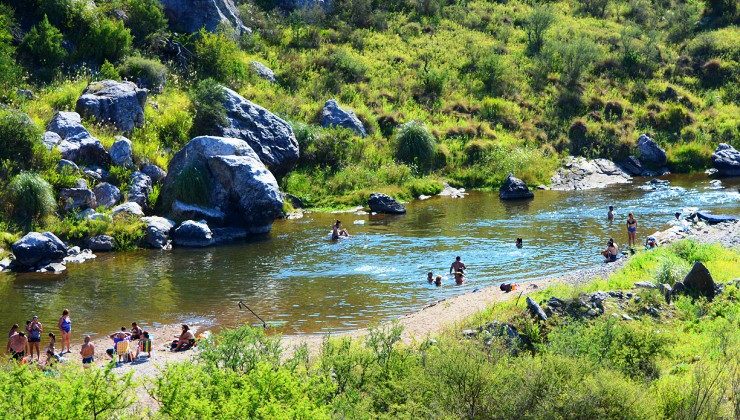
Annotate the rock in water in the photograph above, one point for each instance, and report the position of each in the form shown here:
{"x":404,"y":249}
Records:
{"x":726,"y":159}
{"x":193,"y":234}
{"x":535,"y":309}
{"x":381,"y":203}
{"x":235,"y":183}
{"x":139,"y":189}
{"x":77,"y":198}
{"x":189,"y":16}
{"x":514,"y":189}
{"x":77,"y":145}
{"x":36,"y":250}
{"x":121,"y":152}
{"x":157,"y":231}
{"x":699,"y":281}
{"x":100,"y":243}
{"x":263,"y":71}
{"x":119,"y":103}
{"x":650,"y":152}
{"x":269,"y":136}
{"x":107,"y":195}
{"x":332,"y":115}
{"x":580,"y":174}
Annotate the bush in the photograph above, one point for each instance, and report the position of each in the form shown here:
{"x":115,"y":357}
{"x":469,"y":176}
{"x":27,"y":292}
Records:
{"x":476,"y":151}
{"x":689,"y":157}
{"x":107,"y":39}
{"x":346,"y":66}
{"x":432,"y":84}
{"x":145,"y":72}
{"x":218,"y":57}
{"x":108,"y":72}
{"x":208,"y":108}
{"x":714,"y":73}
{"x":671,"y":271}
{"x":594,"y":140}
{"x":576,"y":58}
{"x":20,"y":139}
{"x":500,"y":111}
{"x":415,"y":145}
{"x":10,"y":72}
{"x":538,"y":22}
{"x":673,"y":118}
{"x":42,"y":49}
{"x":145,"y":17}
{"x":331,"y":148}
{"x":28,"y":199}
{"x":496,"y":73}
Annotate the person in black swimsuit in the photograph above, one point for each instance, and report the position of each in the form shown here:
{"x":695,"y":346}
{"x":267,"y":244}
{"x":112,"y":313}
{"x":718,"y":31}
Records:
{"x":631,"y":230}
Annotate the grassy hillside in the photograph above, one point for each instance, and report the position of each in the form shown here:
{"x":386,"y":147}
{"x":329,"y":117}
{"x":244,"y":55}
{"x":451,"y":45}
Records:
{"x":499,"y":86}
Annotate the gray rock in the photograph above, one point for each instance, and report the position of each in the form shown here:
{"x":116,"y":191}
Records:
{"x":74,"y":250}
{"x":67,"y":125}
{"x":228,"y":235}
{"x":80,"y":183}
{"x":154,"y":172}
{"x":95,"y":172}
{"x":678,"y":288}
{"x":77,"y":198}
{"x":514,"y":189}
{"x":535,"y":309}
{"x":269,"y":136}
{"x":189,"y":16}
{"x":107,"y":195}
{"x":53,"y":268}
{"x":76,"y":145}
{"x":51,"y":140}
{"x":36,"y":250}
{"x":118,"y":103}
{"x":469,"y":333}
{"x":100,"y":243}
{"x":121,"y":152}
{"x":140,"y":186}
{"x":699,"y":282}
{"x":650,"y":152}
{"x":185,"y":211}
{"x":667,"y":291}
{"x":580,"y":174}
{"x":633,"y":166}
{"x":127,"y":209}
{"x":263,"y":71}
{"x":80,"y":257}
{"x":645,"y":285}
{"x":332,"y":115}
{"x":726,"y":159}
{"x":67,"y":165}
{"x":193,"y":234}
{"x":158,"y":231}
{"x":25,"y":93}
{"x":381,"y":203}
{"x":90,"y":214}
{"x":240,"y":186}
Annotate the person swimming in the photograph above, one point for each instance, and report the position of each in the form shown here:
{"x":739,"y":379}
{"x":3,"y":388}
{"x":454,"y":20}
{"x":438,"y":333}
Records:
{"x":519,"y":243}
{"x":337,"y":231}
{"x":430,"y":277}
{"x":438,"y":281}
{"x":459,"y":269}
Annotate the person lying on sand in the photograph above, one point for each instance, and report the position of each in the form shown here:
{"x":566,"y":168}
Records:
{"x":459,"y":268}
{"x":17,"y":345}
{"x":185,"y":341}
{"x":337,"y":231}
{"x":611,"y":251}
{"x":87,"y":352}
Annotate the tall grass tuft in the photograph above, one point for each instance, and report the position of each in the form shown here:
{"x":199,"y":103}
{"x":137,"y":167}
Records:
{"x":29,"y":199}
{"x":415,"y":145}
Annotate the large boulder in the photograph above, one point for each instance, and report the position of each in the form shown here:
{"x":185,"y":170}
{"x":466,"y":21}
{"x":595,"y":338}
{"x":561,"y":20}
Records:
{"x":332,"y":115}
{"x":268,"y":135}
{"x":193,"y":234}
{"x":118,"y":103}
{"x":650,"y":152}
{"x":100,"y":243}
{"x":36,"y":250}
{"x":514,"y":189}
{"x":67,"y":125}
{"x":189,"y":16}
{"x":237,"y":183}
{"x":157,"y":231}
{"x":699,"y":281}
{"x":154,"y":172}
{"x":77,"y":199}
{"x":381,"y":203}
{"x":726,"y":159}
{"x":51,"y":140}
{"x":185,"y":211}
{"x":129,"y":209}
{"x":121,"y":152}
{"x":76,"y":145}
{"x":140,"y":186}
{"x":263,"y":71}
{"x":107,"y":195}
{"x":580,"y":174}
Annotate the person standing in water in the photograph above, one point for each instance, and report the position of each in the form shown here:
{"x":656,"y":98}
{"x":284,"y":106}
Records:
{"x":610,"y":214}
{"x":430,"y":277}
{"x":459,"y":269}
{"x":338,"y":231}
{"x":65,"y":326}
{"x":519,"y":243}
{"x":631,"y":230}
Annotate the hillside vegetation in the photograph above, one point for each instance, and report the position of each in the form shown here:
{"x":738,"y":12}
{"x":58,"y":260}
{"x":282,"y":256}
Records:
{"x":462,"y":92}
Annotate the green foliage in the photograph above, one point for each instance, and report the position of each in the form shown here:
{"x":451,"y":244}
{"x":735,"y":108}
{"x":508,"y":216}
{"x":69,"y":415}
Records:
{"x":415,"y":145}
{"x":332,"y":148}
{"x":500,"y":111}
{"x":595,"y":8}
{"x":576,"y":57}
{"x":592,"y":140}
{"x":108,"y":72}
{"x":127,"y":232}
{"x":145,"y":72}
{"x":107,"y":39}
{"x":145,"y":17}
{"x":42,"y":49}
{"x":10,"y":72}
{"x":218,"y":57}
{"x":209,"y":112}
{"x":689,"y":157}
{"x":538,"y":22}
{"x":29,"y":199}
{"x":20,"y":141}
{"x":496,"y":74}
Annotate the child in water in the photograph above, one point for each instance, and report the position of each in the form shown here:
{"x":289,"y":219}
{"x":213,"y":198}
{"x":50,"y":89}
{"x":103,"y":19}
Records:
{"x":438,"y":281}
{"x":519,"y":243}
{"x":430,"y":277}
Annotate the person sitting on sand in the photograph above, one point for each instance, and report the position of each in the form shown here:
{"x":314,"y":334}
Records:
{"x":651,"y":242}
{"x":430,"y":277}
{"x":459,"y":268}
{"x":87,"y":352}
{"x":611,"y":251}
{"x":122,"y":335}
{"x":51,"y":351}
{"x":145,"y":346}
{"x":519,"y":243}
{"x":337,"y":231}
{"x":185,"y":341}
{"x":438,"y":281}
{"x":17,"y":345}
{"x":136,"y":331}
{"x":13,"y":331}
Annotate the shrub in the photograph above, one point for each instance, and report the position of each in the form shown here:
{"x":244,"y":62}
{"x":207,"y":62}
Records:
{"x":10,"y":72}
{"x":689,"y":157}
{"x":127,"y":232}
{"x":20,"y":139}
{"x":29,"y":199}
{"x":415,"y":145}
{"x":595,"y":8}
{"x":671,"y":271}
{"x":577,"y":57}
{"x":673,"y":118}
{"x":208,"y":108}
{"x":145,"y":17}
{"x":218,"y":57}
{"x":538,"y":22}
{"x":477,"y":150}
{"x":191,"y":186}
{"x":145,"y":72}
{"x":496,"y":73}
{"x":331,"y":148}
{"x":107,"y":39}
{"x":432,"y":84}
{"x":42,"y":49}
{"x":500,"y":111}
{"x":597,"y":140}
{"x":346,"y":66}
{"x":108,"y":72}
{"x":714,"y":73}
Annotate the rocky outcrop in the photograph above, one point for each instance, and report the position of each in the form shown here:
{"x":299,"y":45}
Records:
{"x":154,"y":172}
{"x":121,"y":152}
{"x":140,"y":186}
{"x":127,"y":209}
{"x":238,"y":184}
{"x":580,"y":174}
{"x":118,"y":103}
{"x":193,"y":234}
{"x":100,"y":243}
{"x":67,"y":165}
{"x":699,"y":281}
{"x":332,"y":115}
{"x":535,"y":309}
{"x":51,"y":140}
{"x":726,"y":159}
{"x":650,"y":152}
{"x":77,"y":199}
{"x":263,"y":71}
{"x":189,"y":16}
{"x":269,"y":136}
{"x":158,"y":231}
{"x":514,"y":189}
{"x":67,"y":125}
{"x":381,"y":203}
{"x":77,"y":145}
{"x":185,"y":211}
{"x":107,"y":195}
{"x":36,"y":250}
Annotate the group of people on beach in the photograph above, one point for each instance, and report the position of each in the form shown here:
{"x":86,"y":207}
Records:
{"x":127,"y":344}
{"x":611,"y":253}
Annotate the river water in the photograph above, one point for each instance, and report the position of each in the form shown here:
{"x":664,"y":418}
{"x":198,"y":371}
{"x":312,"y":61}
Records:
{"x":299,"y":281}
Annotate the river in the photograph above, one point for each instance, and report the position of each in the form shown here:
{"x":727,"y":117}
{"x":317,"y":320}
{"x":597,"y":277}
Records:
{"x":299,"y":281}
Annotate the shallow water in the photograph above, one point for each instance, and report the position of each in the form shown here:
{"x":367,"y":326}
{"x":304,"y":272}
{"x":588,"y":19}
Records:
{"x":299,"y":281}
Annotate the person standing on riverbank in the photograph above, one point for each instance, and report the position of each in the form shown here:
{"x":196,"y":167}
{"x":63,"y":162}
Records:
{"x":631,"y":230}
{"x":35,"y":328}
{"x":65,"y":326}
{"x":458,"y":267}
{"x":17,"y":345}
{"x":87,"y":352}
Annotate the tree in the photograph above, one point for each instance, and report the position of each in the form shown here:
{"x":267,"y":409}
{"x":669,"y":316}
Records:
{"x":42,"y":49}
{"x":10,"y":72}
{"x":218,"y":57}
{"x":146,"y":17}
{"x":538,"y":22}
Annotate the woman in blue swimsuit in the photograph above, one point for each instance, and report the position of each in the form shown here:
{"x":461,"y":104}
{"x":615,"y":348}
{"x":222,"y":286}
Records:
{"x":631,"y":230}
{"x":65,"y":326}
